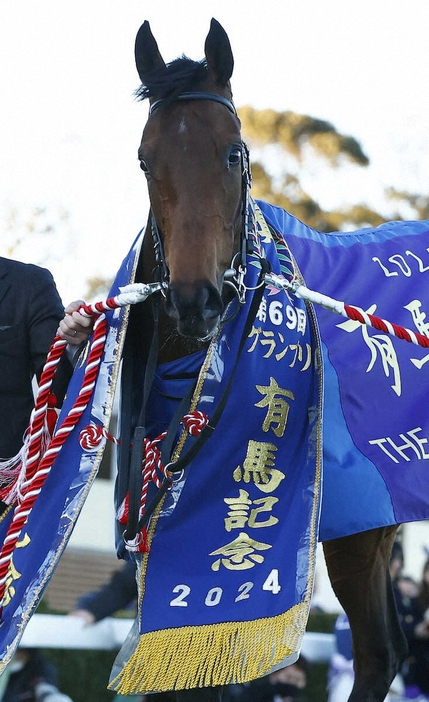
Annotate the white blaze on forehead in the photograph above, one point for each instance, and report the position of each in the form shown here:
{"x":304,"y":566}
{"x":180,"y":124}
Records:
{"x":183,"y":134}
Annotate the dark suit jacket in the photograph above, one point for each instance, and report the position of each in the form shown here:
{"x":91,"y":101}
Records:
{"x":30,"y":309}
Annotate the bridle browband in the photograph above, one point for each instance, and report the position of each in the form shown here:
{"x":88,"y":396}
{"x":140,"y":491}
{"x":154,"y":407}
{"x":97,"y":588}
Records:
{"x":197,"y":95}
{"x":234,"y":276}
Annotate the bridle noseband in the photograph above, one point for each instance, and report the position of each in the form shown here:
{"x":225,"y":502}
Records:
{"x":234,"y":276}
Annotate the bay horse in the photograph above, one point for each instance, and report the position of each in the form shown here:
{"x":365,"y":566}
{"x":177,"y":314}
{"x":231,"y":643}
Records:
{"x":193,"y":157}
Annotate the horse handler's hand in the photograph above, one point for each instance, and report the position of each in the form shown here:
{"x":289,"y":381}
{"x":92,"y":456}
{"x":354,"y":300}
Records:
{"x":74,"y":327}
{"x":85,"y":615}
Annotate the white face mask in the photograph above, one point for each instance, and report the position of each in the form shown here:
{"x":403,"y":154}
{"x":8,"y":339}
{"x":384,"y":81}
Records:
{"x":16,"y":666}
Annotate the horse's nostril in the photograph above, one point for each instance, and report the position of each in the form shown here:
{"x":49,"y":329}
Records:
{"x":213,"y":305}
{"x":196,"y":309}
{"x":170,"y":304}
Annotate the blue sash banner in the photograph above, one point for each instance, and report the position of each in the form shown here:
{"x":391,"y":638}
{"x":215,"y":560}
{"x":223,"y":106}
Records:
{"x":226,"y":585}
{"x":376,"y":410}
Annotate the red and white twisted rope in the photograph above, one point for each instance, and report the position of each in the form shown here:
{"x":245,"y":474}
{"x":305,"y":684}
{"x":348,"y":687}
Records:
{"x":29,"y":458}
{"x":339,"y":307}
{"x":387,"y":327}
{"x":194,"y":423}
{"x":36,"y":468}
{"x":91,"y":436}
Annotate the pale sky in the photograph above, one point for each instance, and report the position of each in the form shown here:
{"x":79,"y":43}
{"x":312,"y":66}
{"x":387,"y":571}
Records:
{"x":70,"y":127}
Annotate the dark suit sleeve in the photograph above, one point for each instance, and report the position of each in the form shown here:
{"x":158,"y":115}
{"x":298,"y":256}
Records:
{"x":30,"y":310}
{"x":117,"y":594}
{"x":44,"y":312}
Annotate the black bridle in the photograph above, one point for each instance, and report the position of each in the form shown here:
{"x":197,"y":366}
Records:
{"x":234,"y":276}
{"x":197,"y":95}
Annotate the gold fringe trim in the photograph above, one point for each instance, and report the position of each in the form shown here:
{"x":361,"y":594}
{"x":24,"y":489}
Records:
{"x":214,"y":654}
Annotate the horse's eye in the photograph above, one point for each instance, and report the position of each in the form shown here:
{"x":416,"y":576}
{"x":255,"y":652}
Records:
{"x":144,"y":166}
{"x":234,"y":158}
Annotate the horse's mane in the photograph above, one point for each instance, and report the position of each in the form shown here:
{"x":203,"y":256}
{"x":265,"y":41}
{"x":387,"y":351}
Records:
{"x":181,"y":75}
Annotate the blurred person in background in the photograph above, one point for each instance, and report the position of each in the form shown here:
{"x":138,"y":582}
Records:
{"x":29,"y":677}
{"x":285,"y":685}
{"x":341,"y":674}
{"x":119,"y":593}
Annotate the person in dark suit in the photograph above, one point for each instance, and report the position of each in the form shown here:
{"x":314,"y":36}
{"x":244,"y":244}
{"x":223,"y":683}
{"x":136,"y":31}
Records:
{"x":30,"y":312}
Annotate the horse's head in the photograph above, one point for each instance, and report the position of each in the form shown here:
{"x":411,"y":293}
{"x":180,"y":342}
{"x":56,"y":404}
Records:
{"x":192,"y":155}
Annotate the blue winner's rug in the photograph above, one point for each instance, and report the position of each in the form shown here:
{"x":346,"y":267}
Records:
{"x":376,"y":410}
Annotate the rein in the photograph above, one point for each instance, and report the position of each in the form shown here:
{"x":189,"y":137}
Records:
{"x":348,"y":311}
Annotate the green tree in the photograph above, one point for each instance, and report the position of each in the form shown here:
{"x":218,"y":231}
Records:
{"x":43,"y":235}
{"x":293,"y":131}
{"x":419,"y":203}
{"x":97,"y":288}
{"x":34,"y":229}
{"x":296,"y":139}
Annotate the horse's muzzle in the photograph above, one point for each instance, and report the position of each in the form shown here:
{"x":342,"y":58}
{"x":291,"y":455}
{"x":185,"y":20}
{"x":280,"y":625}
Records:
{"x":196,"y":309}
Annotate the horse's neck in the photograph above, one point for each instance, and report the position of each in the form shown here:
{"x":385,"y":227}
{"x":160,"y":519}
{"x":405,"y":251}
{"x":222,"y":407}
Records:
{"x":171,"y":345}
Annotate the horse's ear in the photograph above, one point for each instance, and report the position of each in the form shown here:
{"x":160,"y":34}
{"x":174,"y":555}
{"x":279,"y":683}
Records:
{"x":146,"y":51}
{"x":218,"y":53}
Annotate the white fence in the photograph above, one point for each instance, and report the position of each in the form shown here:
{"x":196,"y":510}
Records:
{"x":56,"y":631}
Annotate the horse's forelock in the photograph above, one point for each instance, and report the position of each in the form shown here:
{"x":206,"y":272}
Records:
{"x":181,"y":75}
